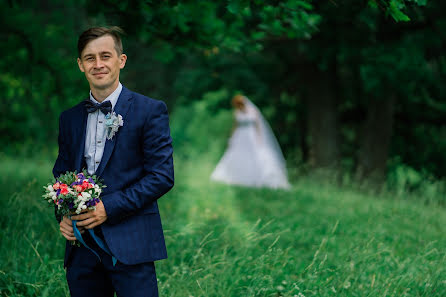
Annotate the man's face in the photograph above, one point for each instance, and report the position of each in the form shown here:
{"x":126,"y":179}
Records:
{"x":101,"y":64}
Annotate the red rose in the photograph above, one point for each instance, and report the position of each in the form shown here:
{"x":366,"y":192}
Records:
{"x":86,"y":185}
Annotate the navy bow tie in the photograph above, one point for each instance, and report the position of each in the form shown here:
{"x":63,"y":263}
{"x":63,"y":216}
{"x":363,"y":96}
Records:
{"x":105,"y":107}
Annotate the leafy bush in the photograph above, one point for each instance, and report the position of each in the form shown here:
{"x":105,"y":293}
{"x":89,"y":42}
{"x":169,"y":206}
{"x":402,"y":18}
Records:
{"x":199,"y":129}
{"x":406,"y":182}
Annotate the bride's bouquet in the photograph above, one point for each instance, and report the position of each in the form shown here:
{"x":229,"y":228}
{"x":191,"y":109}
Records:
{"x":73,"y":192}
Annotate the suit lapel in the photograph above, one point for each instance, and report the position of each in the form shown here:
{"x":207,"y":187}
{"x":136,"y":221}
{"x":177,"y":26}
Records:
{"x":80,"y":135}
{"x":122,"y":107}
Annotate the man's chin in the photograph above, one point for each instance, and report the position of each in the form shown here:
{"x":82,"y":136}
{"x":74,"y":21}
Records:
{"x":101,"y":86}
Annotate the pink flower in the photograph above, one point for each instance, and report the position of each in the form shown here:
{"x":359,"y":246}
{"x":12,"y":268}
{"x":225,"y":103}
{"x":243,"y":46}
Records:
{"x":56,"y":186}
{"x":78,"y":188}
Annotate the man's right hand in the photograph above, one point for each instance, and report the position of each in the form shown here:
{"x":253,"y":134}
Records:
{"x":66,"y":228}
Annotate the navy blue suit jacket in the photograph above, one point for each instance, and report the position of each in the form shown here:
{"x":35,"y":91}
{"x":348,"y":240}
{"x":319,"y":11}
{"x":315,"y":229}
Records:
{"x":136,"y":167}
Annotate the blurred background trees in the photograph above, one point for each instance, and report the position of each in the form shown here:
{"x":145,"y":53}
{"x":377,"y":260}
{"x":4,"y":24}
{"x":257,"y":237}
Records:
{"x":353,"y":86}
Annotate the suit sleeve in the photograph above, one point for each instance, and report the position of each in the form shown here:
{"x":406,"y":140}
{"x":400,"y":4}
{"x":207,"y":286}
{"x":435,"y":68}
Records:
{"x":62,"y":164}
{"x":158,"y":166}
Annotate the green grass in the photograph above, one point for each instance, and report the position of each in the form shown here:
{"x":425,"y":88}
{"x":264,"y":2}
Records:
{"x":315,"y":240}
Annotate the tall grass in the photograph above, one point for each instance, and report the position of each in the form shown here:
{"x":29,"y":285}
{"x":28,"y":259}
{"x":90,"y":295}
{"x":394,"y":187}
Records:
{"x":314,"y":240}
{"x":31,"y":248}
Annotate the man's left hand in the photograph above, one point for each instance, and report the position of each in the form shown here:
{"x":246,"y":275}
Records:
{"x":91,"y":218}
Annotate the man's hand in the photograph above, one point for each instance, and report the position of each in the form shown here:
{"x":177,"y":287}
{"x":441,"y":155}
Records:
{"x":91,"y":218}
{"x":66,"y":228}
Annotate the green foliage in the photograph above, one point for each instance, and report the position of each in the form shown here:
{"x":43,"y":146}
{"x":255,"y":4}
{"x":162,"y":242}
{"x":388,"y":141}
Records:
{"x":39,"y":77}
{"x":199,"y":129}
{"x":406,"y":182}
{"x":395,"y":8}
{"x":235,"y":25}
{"x":180,"y":50}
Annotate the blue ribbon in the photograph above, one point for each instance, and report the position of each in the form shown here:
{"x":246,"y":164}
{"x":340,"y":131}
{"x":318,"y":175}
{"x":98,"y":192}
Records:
{"x":102,"y":245}
{"x":98,"y":240}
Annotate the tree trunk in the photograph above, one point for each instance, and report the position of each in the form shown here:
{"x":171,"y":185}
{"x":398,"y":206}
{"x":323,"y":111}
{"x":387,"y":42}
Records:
{"x":322,"y":117}
{"x":376,"y":138}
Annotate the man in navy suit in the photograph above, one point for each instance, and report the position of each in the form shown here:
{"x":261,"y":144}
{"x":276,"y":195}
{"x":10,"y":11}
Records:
{"x":134,"y":162}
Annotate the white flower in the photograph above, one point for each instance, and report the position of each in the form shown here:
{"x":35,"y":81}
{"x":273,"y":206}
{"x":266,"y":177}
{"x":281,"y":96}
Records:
{"x":97,"y":190}
{"x":112,"y":124}
{"x":86,"y":196}
{"x":79,"y":209}
{"x":50,"y":196}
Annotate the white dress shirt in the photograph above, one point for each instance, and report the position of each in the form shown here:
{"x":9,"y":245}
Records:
{"x":95,"y":138}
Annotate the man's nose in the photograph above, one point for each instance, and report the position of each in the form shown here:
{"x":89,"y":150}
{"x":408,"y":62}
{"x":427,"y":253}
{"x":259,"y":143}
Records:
{"x":98,"y":63}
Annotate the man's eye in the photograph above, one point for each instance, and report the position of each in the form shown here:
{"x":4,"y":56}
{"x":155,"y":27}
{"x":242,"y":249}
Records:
{"x":90,"y":59}
{"x":105,"y":57}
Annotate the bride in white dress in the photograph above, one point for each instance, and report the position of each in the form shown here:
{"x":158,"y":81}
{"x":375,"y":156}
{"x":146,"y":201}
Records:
{"x":253,"y":157}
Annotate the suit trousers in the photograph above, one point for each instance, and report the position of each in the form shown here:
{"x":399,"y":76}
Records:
{"x":89,"y":276}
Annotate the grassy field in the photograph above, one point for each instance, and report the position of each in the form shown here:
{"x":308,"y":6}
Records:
{"x":315,"y":240}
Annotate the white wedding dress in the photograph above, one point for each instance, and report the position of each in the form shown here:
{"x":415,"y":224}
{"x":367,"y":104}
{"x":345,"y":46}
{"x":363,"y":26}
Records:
{"x":253,"y":157}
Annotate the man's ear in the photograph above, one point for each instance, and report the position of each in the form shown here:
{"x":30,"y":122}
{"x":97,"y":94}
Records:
{"x":79,"y":63}
{"x":123,"y":59}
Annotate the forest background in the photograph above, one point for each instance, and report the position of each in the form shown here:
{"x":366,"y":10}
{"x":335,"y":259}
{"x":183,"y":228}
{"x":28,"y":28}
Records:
{"x":356,"y":86}
{"x":354,"y":91}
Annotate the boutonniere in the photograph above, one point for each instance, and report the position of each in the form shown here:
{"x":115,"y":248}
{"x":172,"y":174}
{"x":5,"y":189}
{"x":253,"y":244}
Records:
{"x":112,"y":124}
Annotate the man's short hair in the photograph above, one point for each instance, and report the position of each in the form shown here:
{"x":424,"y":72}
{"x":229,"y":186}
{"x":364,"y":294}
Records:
{"x":97,"y":32}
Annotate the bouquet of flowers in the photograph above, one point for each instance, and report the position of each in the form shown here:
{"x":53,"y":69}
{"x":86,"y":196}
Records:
{"x":73,"y":192}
